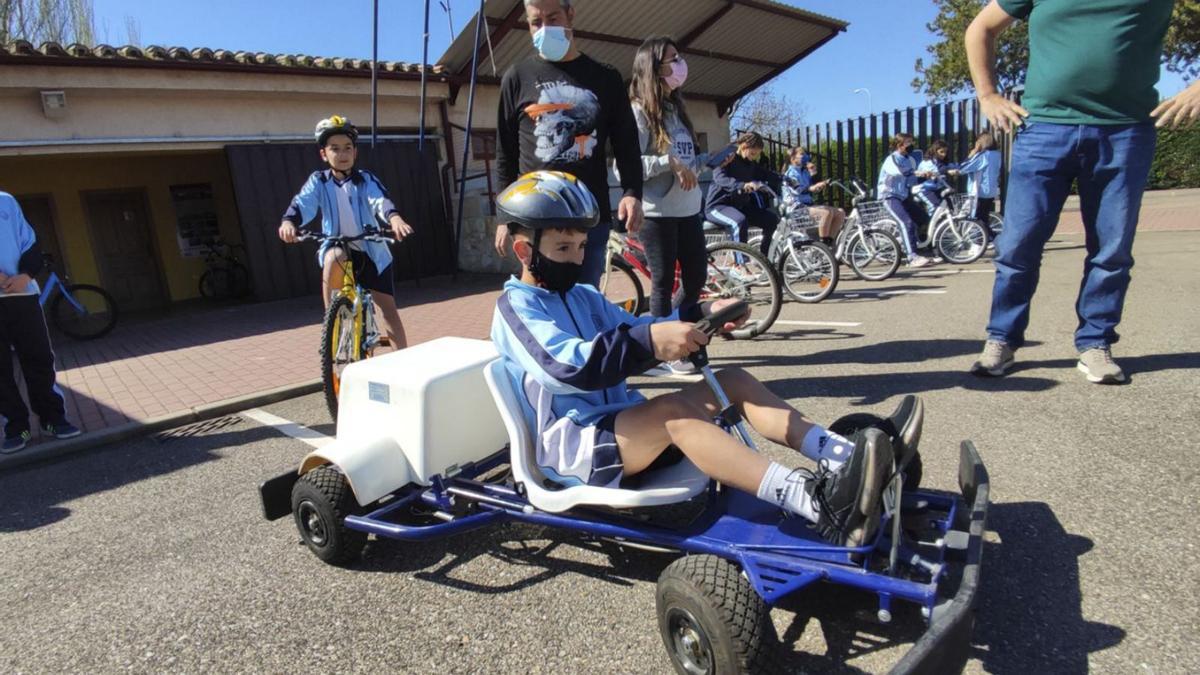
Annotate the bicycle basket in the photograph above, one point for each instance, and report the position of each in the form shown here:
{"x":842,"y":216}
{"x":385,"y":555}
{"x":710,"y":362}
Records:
{"x":873,"y":212}
{"x":962,"y":205}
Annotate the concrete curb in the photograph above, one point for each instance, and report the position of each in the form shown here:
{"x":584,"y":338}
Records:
{"x":46,"y":451}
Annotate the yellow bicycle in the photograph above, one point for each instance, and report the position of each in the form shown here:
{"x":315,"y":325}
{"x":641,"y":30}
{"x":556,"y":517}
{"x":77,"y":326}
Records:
{"x":350,"y":332}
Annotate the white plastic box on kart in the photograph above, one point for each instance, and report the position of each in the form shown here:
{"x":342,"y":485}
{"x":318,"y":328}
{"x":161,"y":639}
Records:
{"x":410,"y":415}
{"x":407,"y":416}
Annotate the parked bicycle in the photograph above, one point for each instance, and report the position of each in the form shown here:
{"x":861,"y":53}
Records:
{"x":953,"y":231}
{"x":733,"y":271}
{"x":81,"y":311}
{"x":807,"y":268}
{"x":226,"y":277}
{"x":350,"y":332}
{"x":866,"y":242}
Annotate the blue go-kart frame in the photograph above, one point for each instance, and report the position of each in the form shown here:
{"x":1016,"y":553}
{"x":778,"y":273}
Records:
{"x":922,"y":536}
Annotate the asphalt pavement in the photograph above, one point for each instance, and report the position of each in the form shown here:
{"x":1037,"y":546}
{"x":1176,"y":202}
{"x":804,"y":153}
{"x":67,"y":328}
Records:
{"x":151,"y":555}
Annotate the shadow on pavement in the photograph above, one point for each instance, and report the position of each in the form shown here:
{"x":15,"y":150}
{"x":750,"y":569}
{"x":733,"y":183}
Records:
{"x":32,"y":496}
{"x":1029,"y":617}
{"x":1132,"y":365}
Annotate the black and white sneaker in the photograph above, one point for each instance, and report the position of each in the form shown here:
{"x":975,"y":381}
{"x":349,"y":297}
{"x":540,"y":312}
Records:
{"x":849,"y":499}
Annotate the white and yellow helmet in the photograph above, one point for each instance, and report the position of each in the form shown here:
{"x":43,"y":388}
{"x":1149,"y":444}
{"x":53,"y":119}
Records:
{"x":334,"y":125}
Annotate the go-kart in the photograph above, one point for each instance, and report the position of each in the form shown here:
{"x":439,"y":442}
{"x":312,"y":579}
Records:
{"x":409,"y":464}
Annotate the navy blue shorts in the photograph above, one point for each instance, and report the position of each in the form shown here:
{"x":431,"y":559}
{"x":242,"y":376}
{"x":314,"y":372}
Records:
{"x":370,"y":278}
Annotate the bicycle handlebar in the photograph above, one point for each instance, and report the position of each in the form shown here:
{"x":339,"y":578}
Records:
{"x":374,"y":235}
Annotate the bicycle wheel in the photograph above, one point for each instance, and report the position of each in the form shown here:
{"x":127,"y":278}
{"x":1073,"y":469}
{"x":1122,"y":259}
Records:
{"x":808,"y":271}
{"x":961,"y":242}
{"x":874,"y":255}
{"x":83,"y":311}
{"x":995,"y":224}
{"x":740,"y":271}
{"x":223,"y":283}
{"x":621,"y":285}
{"x":342,"y":343}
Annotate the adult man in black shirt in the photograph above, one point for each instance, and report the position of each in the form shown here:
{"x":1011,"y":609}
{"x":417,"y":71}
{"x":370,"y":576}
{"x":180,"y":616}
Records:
{"x":558,"y":111}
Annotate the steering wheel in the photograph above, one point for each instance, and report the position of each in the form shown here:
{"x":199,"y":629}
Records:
{"x":711,"y":325}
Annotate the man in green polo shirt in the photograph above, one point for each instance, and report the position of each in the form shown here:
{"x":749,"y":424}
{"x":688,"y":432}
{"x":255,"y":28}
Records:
{"x":1089,"y":107}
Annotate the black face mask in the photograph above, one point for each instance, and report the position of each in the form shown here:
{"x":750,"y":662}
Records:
{"x":908,"y":149}
{"x":559,"y":277}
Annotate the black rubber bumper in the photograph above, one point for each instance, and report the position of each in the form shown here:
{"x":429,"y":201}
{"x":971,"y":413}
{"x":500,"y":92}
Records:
{"x":946,"y":645}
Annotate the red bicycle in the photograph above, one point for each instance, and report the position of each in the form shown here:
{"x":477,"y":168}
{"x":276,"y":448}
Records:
{"x":734,"y":271}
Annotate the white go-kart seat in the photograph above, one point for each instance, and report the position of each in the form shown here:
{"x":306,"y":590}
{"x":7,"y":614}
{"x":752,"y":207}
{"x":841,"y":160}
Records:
{"x":668,"y":485}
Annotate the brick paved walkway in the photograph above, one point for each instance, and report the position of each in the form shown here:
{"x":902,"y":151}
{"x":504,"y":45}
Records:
{"x":151,"y":367}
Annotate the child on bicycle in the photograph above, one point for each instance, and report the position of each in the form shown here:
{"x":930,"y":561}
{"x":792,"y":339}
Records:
{"x":897,"y":176}
{"x":569,"y":351}
{"x":934,"y":168}
{"x":349,"y":200}
{"x":982,"y":170}
{"x":23,"y":330}
{"x":802,"y":172}
{"x":734,"y":200}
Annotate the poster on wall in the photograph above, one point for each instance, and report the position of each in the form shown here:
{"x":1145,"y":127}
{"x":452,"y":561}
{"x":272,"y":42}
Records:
{"x":195,"y":218}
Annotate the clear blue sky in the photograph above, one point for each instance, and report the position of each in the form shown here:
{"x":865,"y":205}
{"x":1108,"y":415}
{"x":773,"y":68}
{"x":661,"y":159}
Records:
{"x":877,"y":52}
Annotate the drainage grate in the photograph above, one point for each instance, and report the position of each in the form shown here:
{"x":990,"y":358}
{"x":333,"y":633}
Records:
{"x":198,"y":429}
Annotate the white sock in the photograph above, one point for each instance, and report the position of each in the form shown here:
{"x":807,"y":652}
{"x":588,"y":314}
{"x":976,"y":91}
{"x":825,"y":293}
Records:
{"x":820,"y":444}
{"x":784,"y":487}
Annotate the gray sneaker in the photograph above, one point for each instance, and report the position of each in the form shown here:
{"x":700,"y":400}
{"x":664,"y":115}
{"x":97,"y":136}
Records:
{"x":1097,"y":363}
{"x":995,"y":360}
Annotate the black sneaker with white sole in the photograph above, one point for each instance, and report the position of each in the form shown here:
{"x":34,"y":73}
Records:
{"x":848,"y":499}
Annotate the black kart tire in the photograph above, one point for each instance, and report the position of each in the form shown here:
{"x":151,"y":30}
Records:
{"x":712,"y":621}
{"x":321,"y":500}
{"x":848,"y":425}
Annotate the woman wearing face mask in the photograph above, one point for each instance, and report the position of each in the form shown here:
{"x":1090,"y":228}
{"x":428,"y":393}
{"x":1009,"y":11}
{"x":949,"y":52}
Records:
{"x":673,"y":229}
{"x":735,"y":199}
{"x":897,"y":177}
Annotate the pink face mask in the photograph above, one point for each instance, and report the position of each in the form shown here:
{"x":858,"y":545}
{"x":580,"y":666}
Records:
{"x":679,"y":73}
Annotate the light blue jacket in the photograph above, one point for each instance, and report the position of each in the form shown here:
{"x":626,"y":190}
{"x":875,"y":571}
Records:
{"x":16,"y":237}
{"x":897,"y":176}
{"x":934,"y":184}
{"x":578,"y":347}
{"x":983,"y":174}
{"x":368,"y":197}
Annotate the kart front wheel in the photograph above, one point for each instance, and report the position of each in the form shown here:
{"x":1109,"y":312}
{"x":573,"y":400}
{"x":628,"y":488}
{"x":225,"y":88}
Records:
{"x":711,"y":619}
{"x":321,"y":500}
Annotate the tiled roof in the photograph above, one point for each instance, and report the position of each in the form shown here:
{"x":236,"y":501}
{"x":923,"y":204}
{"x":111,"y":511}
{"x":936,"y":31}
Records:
{"x":76,"y":53}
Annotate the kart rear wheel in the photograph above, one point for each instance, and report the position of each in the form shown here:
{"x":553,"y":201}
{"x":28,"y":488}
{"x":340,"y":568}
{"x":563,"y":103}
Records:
{"x":711,"y":620}
{"x":321,"y":500}
{"x":850,"y":424}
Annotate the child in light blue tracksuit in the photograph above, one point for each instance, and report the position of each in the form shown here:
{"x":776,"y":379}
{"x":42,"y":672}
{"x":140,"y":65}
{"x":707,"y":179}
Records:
{"x":982,"y":170}
{"x":897,"y":177}
{"x":936,"y":168}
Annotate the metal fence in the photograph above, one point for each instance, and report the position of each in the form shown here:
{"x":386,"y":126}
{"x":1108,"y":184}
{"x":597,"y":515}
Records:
{"x":855,"y":147}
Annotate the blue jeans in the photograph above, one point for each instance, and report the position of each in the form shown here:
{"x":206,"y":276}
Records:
{"x":1111,"y":164}
{"x":593,"y":254}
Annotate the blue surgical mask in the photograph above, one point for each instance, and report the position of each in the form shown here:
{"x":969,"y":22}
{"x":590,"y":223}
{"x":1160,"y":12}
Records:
{"x":552,"y":42}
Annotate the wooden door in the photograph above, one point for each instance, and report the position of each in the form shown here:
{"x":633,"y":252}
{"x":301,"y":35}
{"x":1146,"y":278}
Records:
{"x":124,"y":249}
{"x":40,"y":214}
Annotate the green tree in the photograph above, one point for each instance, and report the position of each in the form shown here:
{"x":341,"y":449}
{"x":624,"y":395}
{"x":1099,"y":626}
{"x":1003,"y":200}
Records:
{"x":948,"y":74}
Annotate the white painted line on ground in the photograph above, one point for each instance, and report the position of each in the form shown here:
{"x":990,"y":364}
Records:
{"x":838,"y":324}
{"x":989,"y":271}
{"x":911,"y":292}
{"x":287,"y":427}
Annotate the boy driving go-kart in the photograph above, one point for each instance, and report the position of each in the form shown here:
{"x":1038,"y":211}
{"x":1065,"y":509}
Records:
{"x":569,"y":352}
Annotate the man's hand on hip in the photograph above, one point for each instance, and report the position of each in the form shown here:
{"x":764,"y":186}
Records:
{"x":1181,"y":109}
{"x":629,"y":211}
{"x":1002,"y":112}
